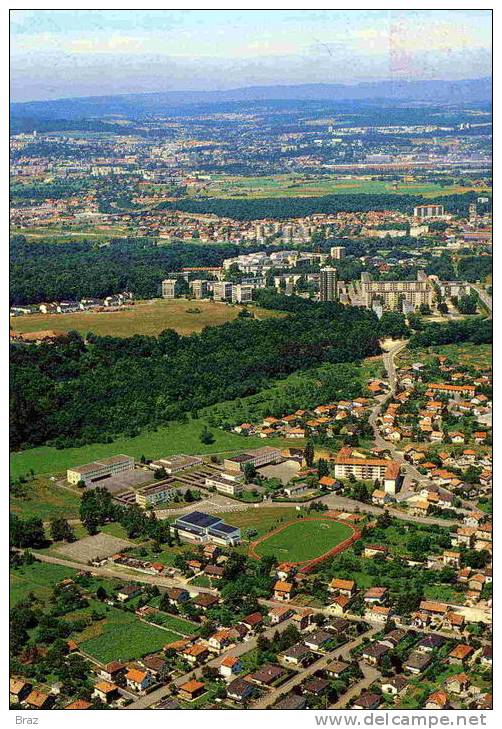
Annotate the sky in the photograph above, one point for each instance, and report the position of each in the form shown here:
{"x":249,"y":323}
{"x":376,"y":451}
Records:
{"x":71,"y":53}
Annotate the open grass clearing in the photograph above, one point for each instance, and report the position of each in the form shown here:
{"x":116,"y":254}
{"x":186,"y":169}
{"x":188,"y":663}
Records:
{"x":143,"y":317}
{"x":39,"y":578}
{"x":42,"y":498}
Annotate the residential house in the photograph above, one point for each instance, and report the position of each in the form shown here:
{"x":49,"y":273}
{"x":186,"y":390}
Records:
{"x":375,"y":595}
{"x":19,"y":689}
{"x":177,"y":595}
{"x":252,"y":621}
{"x":128,"y":592}
{"x":114,"y":672}
{"x":296,"y":655}
{"x":430,"y":643}
{"x":105,"y":691}
{"x":318,"y":640}
{"x":197,"y":653}
{"x":39,"y":700}
{"x":230,"y":667}
{"x":278,"y":614}
{"x":374,"y":652}
{"x":282,"y":590}
{"x":437,"y":700}
{"x":239,"y":689}
{"x":457,"y":684}
{"x":316,"y":686}
{"x":367,"y":701}
{"x":191,"y":690}
{"x":460,"y":654}
{"x":291,"y":702}
{"x":138,"y":681}
{"x":342,"y":587}
{"x":395,"y":686}
{"x":336,"y":669}
{"x":268,"y":675}
{"x":417,"y":662}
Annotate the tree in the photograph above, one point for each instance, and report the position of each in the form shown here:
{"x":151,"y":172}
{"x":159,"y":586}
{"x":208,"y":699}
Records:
{"x":206,"y":436}
{"x":249,"y":472}
{"x":322,"y":468}
{"x":26,"y":532}
{"x":393,"y":324}
{"x":61,"y":530}
{"x":101,"y":593}
{"x":308,"y":453}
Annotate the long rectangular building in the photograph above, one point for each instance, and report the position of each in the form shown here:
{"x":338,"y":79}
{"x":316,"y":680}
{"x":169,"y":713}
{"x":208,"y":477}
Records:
{"x":97,"y":470}
{"x":392,"y":293}
{"x":258,"y":457}
{"x":367,"y":469}
{"x":201,"y":528}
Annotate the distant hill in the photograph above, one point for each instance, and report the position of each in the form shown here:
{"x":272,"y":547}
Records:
{"x":469,"y":91}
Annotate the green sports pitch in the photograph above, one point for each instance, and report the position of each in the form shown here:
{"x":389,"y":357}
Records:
{"x":303,"y":540}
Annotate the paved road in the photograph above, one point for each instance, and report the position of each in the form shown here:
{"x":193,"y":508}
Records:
{"x":370,"y":674}
{"x":117,"y":573}
{"x":343,"y":652}
{"x":343,"y":503}
{"x":144,"y":702}
{"x":485,"y":298}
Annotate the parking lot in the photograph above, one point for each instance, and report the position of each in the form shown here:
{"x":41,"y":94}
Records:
{"x":283,"y":471}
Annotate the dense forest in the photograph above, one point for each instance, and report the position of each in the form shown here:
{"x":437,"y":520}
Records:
{"x":73,"y":392}
{"x":49,"y":271}
{"x":287,"y":207}
{"x":476,"y":330}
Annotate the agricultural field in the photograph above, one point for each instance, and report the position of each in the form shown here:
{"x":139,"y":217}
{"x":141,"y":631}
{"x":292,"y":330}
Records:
{"x":38,"y":578}
{"x":144,"y":317}
{"x":301,"y":185}
{"x":303,"y":540}
{"x":122,"y":637}
{"x":177,"y":625}
{"x":44,"y":499}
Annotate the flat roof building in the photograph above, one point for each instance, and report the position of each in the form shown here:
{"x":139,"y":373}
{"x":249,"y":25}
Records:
{"x":198,"y":526}
{"x":97,"y":470}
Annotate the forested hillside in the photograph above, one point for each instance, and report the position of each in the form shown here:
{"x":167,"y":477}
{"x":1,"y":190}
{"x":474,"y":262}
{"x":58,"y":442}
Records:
{"x":73,"y":393}
{"x":286,"y":207}
{"x":48,"y":271}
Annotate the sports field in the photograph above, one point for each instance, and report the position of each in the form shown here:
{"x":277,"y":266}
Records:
{"x":302,"y":540}
{"x":144,"y":317}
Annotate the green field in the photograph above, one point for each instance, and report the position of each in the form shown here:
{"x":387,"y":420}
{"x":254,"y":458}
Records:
{"x":45,"y":500}
{"x":263,"y":520}
{"x":185,"y":437}
{"x":301,"y":185}
{"x":176,"y":438}
{"x":178,"y":625}
{"x":39,"y":578}
{"x":123,"y":637}
{"x":304,"y":540}
{"x":144,"y":317}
